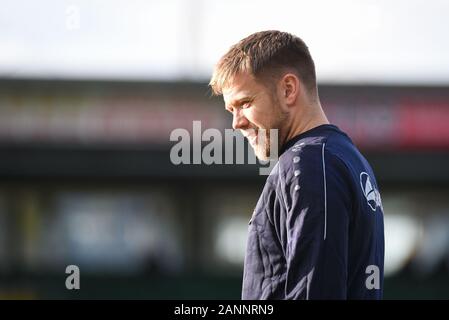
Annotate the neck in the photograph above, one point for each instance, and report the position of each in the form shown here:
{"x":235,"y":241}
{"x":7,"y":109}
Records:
{"x":309,"y":117}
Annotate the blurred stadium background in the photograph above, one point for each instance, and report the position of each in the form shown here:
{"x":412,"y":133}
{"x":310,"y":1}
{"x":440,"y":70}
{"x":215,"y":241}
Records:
{"x":90,"y":91}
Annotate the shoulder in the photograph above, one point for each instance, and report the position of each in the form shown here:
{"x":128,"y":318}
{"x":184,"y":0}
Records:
{"x":308,"y":158}
{"x":305,"y":154}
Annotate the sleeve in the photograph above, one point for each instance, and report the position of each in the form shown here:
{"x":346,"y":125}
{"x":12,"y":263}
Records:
{"x":318,"y":204}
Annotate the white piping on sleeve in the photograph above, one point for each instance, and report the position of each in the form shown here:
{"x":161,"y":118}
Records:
{"x":325,"y":191}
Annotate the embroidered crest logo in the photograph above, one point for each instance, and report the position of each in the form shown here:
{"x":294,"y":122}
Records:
{"x":372,"y":195}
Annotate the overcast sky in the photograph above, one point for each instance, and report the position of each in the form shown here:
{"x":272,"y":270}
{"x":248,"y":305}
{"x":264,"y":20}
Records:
{"x":385,"y":41}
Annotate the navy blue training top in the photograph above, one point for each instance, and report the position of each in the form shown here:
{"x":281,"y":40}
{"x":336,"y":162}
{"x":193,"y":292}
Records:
{"x":317,"y":230}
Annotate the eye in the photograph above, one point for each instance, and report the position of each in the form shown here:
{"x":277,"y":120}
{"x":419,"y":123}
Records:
{"x":246,"y":105}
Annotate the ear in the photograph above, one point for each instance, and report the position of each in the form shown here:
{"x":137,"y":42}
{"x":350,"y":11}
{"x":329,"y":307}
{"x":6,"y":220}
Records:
{"x":289,"y":87}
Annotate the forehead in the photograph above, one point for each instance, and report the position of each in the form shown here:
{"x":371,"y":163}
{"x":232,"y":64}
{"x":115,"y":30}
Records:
{"x":241,"y":86}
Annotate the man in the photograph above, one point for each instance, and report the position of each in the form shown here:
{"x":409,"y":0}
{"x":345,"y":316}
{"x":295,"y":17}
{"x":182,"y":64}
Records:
{"x":317,"y":230}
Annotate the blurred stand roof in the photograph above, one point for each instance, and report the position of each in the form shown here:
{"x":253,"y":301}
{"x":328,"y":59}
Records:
{"x":122,"y":128}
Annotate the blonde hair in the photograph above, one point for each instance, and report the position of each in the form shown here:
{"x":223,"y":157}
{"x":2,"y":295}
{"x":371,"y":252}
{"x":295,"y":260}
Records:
{"x":265,"y":54}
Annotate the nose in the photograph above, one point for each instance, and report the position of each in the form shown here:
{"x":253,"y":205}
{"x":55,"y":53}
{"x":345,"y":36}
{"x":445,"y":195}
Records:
{"x":239,"y":121}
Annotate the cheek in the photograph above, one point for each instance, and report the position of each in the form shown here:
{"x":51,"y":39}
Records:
{"x":257,"y":119}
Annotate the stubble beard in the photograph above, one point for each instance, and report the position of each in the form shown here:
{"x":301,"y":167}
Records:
{"x":264,"y":143}
{"x":262,"y":147}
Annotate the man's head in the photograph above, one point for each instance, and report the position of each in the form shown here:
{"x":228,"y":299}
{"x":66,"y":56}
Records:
{"x":267,"y":81}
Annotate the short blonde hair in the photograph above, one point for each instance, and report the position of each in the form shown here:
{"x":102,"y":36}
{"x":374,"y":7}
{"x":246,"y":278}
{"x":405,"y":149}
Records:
{"x":264,"y":54}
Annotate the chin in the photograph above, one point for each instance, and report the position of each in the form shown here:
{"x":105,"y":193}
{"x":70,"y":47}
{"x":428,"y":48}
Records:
{"x":262,"y":153}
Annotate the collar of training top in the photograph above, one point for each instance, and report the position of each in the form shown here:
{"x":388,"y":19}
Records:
{"x":304,"y":134}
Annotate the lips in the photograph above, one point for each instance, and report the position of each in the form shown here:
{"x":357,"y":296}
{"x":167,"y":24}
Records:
{"x":252,"y":138}
{"x":251,"y":135}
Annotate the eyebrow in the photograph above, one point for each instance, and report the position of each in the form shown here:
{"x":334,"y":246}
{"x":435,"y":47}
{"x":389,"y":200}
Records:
{"x":239,"y":102}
